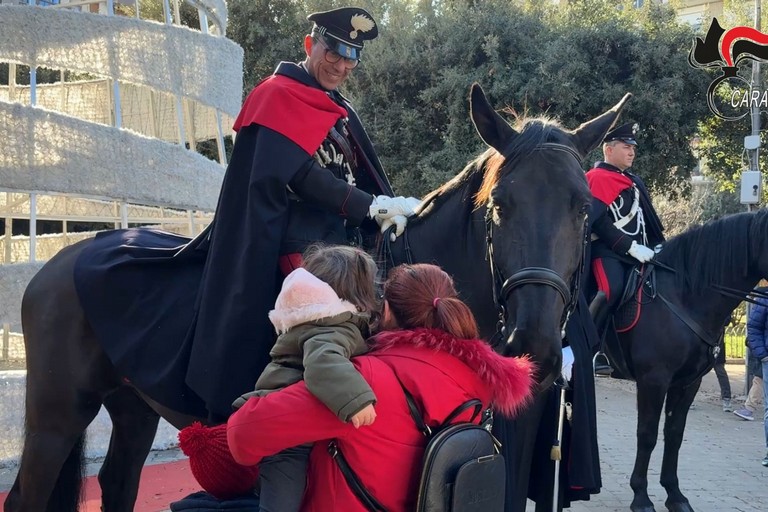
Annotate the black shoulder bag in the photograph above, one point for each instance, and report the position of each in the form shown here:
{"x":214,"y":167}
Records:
{"x":453,"y":455}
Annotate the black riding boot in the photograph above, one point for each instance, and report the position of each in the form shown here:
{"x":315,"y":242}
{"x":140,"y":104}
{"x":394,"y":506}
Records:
{"x":601,"y":316}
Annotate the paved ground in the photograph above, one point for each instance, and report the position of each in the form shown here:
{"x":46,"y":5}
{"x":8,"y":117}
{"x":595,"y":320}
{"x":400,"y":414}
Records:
{"x":720,"y":467}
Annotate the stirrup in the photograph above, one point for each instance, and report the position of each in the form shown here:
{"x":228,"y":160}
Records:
{"x":601,"y":366}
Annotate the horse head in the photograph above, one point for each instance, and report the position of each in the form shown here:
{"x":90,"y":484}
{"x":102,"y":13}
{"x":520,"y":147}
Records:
{"x":536,"y":200}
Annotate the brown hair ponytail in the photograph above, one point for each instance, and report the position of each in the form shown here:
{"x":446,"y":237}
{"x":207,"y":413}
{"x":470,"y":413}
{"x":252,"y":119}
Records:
{"x":423,"y":295}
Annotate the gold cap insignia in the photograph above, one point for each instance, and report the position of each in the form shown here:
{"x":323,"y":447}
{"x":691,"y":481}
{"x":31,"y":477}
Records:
{"x":360,"y":23}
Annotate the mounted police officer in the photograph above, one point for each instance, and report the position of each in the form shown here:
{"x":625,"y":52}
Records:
{"x":302,"y":170}
{"x":188,"y":323}
{"x":625,"y":226}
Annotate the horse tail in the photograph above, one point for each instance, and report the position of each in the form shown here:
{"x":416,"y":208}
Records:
{"x":68,"y":491}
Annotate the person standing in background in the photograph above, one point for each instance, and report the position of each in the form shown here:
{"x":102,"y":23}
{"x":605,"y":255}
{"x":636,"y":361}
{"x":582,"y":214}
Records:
{"x":757,"y":340}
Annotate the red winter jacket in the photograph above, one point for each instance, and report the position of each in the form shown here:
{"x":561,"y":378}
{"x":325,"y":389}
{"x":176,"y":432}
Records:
{"x":440,"y":371}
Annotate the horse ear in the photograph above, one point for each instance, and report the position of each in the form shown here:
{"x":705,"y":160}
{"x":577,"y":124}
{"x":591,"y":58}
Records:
{"x":590,"y":134}
{"x":493,"y":129}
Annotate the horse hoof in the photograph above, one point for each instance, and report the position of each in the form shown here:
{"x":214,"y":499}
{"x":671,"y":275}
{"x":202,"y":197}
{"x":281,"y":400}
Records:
{"x":679,"y":506}
{"x":642,"y":508}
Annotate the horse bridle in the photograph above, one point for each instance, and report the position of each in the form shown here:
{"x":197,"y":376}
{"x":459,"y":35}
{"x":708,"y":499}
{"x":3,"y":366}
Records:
{"x":502,"y":288}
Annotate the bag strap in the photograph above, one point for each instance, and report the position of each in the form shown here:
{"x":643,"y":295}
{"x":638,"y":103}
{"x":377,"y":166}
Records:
{"x":357,"y":487}
{"x":477,"y":404}
{"x":418,"y":416}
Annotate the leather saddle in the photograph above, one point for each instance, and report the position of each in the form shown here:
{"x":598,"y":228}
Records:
{"x":639,"y":289}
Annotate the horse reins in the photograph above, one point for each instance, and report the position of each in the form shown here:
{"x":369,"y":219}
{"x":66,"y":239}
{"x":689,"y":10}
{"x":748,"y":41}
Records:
{"x":750,"y":296}
{"x":747,"y":296}
{"x":386,"y":257}
{"x":533,"y":275}
{"x":530,"y":275}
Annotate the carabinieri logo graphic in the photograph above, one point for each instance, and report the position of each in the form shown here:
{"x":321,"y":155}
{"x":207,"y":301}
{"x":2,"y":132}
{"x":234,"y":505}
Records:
{"x":725,"y":49}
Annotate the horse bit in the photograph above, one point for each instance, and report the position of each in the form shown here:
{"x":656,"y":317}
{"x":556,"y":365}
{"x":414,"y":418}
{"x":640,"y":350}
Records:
{"x":533,"y":275}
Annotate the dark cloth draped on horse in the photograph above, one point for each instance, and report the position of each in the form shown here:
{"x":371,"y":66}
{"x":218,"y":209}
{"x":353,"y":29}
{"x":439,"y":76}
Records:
{"x":151,"y":291}
{"x":189,"y":326}
{"x":580,"y":465}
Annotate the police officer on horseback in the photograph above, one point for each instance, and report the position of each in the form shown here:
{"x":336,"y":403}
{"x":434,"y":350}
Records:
{"x":625,"y":227}
{"x":303,"y":170}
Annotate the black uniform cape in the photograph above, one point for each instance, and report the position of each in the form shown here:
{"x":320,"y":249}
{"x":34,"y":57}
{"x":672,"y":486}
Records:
{"x":186,"y":321}
{"x":580,"y":465}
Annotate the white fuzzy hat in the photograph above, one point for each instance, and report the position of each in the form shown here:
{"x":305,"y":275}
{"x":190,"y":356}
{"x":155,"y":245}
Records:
{"x":304,"y":298}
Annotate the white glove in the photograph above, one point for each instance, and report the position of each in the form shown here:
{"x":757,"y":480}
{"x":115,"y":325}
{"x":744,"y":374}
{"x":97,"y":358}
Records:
{"x":568,"y":360}
{"x":641,"y":253}
{"x":389,"y":211}
{"x":399,"y":221}
{"x":413,"y":202}
{"x":385,"y":207}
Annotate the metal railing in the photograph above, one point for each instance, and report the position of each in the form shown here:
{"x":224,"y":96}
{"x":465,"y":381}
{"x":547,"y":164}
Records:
{"x":735,"y":341}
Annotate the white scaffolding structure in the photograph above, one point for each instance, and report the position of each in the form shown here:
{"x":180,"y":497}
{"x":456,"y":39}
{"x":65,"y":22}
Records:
{"x":113,"y":140}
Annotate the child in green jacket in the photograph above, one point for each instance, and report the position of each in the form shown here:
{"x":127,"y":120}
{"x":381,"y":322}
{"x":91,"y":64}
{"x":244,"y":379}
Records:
{"x":322,"y":317}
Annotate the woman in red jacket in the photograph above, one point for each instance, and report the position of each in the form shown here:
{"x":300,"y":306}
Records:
{"x":430,"y":343}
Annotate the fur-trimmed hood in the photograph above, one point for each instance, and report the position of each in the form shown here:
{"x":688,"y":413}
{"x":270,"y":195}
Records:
{"x":305,"y":298}
{"x":509,"y":379}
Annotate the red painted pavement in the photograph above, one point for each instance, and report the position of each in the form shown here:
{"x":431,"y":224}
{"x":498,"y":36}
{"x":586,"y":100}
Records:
{"x":160,"y":485}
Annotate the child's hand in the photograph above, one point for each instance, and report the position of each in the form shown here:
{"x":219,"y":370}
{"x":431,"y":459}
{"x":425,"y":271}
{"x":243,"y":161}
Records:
{"x":364,"y":417}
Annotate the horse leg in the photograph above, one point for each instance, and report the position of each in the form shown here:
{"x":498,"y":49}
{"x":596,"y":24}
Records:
{"x":49,"y":473}
{"x":678,"y":401}
{"x":66,"y":380}
{"x":51,"y":461}
{"x":134,"y":425}
{"x":650,"y":399}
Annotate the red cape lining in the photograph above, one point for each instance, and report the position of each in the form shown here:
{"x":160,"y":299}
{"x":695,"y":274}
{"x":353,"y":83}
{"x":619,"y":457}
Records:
{"x":607,"y":185}
{"x":301,"y":113}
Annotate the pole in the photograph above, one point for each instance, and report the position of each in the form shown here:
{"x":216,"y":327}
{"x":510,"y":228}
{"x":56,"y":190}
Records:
{"x":556,"y":453}
{"x":754,"y":165}
{"x":755,"y":109}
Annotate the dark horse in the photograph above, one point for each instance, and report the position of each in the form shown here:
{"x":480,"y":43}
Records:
{"x":671,"y":346}
{"x":528,"y":192}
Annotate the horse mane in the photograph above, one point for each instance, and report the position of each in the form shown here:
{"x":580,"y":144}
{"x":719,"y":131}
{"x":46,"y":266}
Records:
{"x":711,"y":253}
{"x":479,"y":177}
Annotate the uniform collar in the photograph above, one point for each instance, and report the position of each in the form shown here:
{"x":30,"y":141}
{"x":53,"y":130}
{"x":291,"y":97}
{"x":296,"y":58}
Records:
{"x":299,"y":73}
{"x":610,"y":167}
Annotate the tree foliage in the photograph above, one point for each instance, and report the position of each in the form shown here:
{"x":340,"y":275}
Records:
{"x":269,"y":31}
{"x":704,"y":202}
{"x":572,"y":62}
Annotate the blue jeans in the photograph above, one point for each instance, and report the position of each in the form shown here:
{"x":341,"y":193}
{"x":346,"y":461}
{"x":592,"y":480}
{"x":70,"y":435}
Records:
{"x":765,"y":400}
